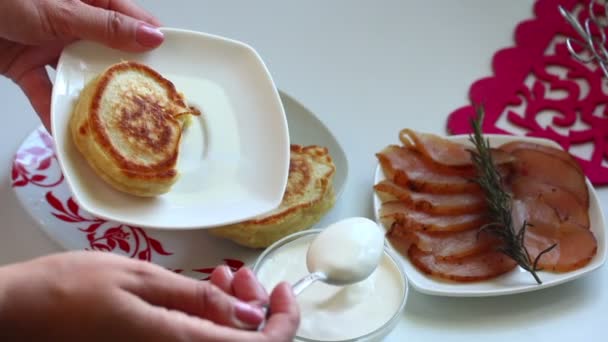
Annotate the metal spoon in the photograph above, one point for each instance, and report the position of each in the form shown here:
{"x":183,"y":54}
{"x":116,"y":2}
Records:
{"x":345,"y":253}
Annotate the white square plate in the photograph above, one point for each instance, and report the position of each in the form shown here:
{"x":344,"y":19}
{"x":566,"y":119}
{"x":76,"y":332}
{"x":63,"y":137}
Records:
{"x":234,"y":158}
{"x":518,"y":280}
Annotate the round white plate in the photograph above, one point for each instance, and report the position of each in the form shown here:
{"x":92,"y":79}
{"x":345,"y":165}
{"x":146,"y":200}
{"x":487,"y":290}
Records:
{"x":41,"y":188}
{"x":518,"y":280}
{"x":235,"y":155}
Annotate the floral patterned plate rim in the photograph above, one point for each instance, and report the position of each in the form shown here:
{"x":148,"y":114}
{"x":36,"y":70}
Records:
{"x":41,"y":189}
{"x":517,"y":280}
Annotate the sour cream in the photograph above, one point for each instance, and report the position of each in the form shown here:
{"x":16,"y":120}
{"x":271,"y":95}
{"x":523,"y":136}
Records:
{"x":328,"y":312}
{"x":347,"y":251}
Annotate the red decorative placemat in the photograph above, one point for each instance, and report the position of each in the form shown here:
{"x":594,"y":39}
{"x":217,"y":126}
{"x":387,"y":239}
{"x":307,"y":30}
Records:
{"x":538,"y":89}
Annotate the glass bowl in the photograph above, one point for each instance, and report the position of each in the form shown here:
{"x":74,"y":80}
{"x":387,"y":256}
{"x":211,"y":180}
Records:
{"x":374,"y":335}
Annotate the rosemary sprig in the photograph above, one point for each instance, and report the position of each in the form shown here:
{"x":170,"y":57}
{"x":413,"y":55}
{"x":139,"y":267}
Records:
{"x":499,"y":203}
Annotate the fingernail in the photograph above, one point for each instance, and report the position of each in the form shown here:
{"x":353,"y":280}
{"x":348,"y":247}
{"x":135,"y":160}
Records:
{"x":227,"y":271}
{"x":148,"y":36}
{"x":259,"y":287}
{"x":248,"y":314}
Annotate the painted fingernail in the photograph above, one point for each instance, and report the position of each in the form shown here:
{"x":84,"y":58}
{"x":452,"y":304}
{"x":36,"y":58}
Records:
{"x":227,"y":271}
{"x":261,"y":291}
{"x":249,"y":315}
{"x":148,"y":36}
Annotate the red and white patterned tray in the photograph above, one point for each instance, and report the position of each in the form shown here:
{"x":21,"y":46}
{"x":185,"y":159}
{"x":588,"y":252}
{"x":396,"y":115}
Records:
{"x":39,"y":185}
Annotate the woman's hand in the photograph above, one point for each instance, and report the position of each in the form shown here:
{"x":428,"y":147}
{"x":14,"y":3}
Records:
{"x":101,"y":296}
{"x":34,"y":32}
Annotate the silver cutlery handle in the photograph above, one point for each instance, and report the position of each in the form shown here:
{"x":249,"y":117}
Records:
{"x":303,"y":283}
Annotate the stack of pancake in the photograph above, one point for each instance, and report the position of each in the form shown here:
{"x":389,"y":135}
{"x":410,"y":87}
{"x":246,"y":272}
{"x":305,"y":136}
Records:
{"x":128,"y":123}
{"x":308,"y":196}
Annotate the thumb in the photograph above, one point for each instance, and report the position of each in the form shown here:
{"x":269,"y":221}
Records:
{"x":164,"y":288}
{"x":105,"y":26}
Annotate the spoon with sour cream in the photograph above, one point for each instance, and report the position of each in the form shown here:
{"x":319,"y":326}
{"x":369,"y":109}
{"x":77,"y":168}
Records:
{"x":344,"y":253}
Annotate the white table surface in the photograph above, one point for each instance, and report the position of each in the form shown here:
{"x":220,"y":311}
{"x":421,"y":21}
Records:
{"x":367,"y":69}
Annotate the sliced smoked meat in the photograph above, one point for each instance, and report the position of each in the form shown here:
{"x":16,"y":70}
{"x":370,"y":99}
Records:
{"x":397,"y":211}
{"x":549,"y":169}
{"x":445,"y":152}
{"x":407,"y":168}
{"x":556,"y":152}
{"x":444,"y":246}
{"x":564,"y":204}
{"x":453,"y":204}
{"x":575,"y":247}
{"x":475,"y":267}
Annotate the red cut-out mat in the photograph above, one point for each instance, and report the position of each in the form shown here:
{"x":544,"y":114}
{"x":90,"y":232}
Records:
{"x":540,"y":90}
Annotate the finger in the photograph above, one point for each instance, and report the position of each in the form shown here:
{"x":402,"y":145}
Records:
{"x":152,"y":323}
{"x":36,"y":85}
{"x":29,"y":73}
{"x":131,"y":9}
{"x":222,"y":278}
{"x":247,"y":288}
{"x":164,"y":288}
{"x":285,"y":315}
{"x":106,"y":26}
{"x":32,"y":57}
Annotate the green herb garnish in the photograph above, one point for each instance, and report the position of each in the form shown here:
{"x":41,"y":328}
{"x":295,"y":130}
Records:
{"x":499,"y":203}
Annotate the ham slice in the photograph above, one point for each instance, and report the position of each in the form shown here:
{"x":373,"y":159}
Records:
{"x":549,"y":169}
{"x":565,"y":205}
{"x":397,"y":211}
{"x":558,"y":153}
{"x":445,"y":152}
{"x":407,"y":168}
{"x":455,"y":204}
{"x":475,"y":267}
{"x":575,"y":247}
{"x":444,"y":246}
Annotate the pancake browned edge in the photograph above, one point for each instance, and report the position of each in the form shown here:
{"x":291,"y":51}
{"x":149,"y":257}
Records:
{"x":128,"y":124}
{"x":308,"y":196}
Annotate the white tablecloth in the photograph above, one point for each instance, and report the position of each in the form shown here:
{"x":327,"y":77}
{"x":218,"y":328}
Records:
{"x":367,"y":69}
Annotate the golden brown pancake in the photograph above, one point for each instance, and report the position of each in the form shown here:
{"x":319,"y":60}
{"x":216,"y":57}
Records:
{"x":308,"y":196}
{"x":127,"y":124}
